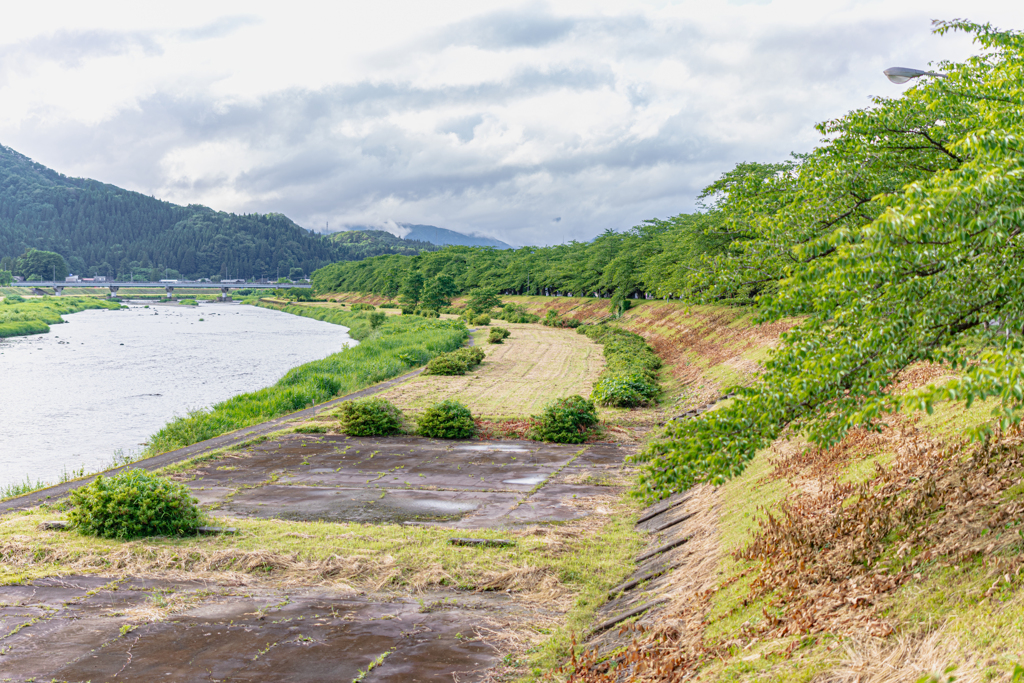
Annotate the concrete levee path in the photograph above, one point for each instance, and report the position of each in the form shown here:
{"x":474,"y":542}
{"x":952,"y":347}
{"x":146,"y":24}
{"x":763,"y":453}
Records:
{"x":223,"y":441}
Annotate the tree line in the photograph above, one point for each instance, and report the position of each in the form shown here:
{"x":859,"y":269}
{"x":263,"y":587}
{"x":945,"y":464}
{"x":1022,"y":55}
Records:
{"x":652,"y":259}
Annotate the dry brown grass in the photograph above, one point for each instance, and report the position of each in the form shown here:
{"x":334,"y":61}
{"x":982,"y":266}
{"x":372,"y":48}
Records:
{"x":535,"y":365}
{"x":905,"y":659}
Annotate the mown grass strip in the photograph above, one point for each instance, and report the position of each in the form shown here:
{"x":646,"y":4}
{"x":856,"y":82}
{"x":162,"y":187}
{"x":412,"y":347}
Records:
{"x":399,"y":344}
{"x":630,"y":378}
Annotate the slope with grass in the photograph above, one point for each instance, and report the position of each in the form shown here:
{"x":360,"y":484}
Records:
{"x":892,"y":556}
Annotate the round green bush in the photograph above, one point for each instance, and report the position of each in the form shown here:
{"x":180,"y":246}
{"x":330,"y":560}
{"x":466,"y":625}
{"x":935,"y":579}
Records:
{"x":471,"y":355}
{"x":369,"y":417}
{"x":134,"y":503}
{"x":456,"y":362}
{"x":624,"y":391}
{"x":498,"y":335}
{"x":446,"y":420}
{"x":446,"y":364}
{"x":482,"y":320}
{"x":566,"y":420}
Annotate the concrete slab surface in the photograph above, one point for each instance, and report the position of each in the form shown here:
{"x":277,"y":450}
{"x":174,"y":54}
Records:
{"x":462,"y":484}
{"x":98,"y":629}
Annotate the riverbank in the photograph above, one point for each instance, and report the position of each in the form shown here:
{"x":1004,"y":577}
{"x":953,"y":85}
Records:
{"x":562,"y":533}
{"x":23,"y":317}
{"x":396,"y":346}
{"x":113,"y":378}
{"x":890,"y":557}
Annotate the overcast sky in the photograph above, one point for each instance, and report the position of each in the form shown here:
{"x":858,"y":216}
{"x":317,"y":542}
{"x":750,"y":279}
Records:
{"x":531,"y":122}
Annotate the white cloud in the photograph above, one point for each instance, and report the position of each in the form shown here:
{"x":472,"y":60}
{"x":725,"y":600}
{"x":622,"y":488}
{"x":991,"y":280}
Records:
{"x":492,"y":118}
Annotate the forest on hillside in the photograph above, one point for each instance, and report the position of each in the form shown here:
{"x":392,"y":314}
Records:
{"x":101,"y":229}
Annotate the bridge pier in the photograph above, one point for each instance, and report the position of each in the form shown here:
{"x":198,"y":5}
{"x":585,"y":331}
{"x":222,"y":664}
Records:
{"x":57,"y":290}
{"x":224,"y":294}
{"x":170,"y":292}
{"x":113,"y":290}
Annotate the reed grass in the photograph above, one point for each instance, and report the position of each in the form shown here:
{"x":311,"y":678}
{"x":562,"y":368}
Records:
{"x":18,"y":319}
{"x":398,"y":345}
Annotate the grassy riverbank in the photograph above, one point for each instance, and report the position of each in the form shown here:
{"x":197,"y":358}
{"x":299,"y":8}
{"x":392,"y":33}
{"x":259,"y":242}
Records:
{"x":401,"y":343}
{"x":34,"y":316}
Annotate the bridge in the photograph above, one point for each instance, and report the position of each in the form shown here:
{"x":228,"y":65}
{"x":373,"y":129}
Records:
{"x":224,"y":287}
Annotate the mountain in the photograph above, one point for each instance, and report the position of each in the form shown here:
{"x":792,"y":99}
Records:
{"x":102,"y":229}
{"x":439,"y":236}
{"x":360,"y":244}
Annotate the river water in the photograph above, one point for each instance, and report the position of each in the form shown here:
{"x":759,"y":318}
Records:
{"x":104,"y":381}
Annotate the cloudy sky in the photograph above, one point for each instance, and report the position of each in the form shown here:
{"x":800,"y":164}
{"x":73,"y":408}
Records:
{"x":531,"y":122}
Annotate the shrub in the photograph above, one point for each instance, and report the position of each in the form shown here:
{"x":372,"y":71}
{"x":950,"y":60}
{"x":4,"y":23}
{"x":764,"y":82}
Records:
{"x":498,"y":335}
{"x":446,"y":364}
{"x":430,"y":313}
{"x":14,"y":299}
{"x":369,"y":417}
{"x":134,"y":503}
{"x":446,"y":420}
{"x":482,"y":320}
{"x":408,"y":310}
{"x":455,"y":362}
{"x":377,"y":319}
{"x":516,"y":314}
{"x":471,"y":355}
{"x":630,"y":378}
{"x":552,"y":319}
{"x":566,"y":420}
{"x":363,"y":307}
{"x":389,"y":305}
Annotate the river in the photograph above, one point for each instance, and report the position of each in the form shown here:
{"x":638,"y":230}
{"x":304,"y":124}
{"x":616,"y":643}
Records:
{"x":104,"y":381}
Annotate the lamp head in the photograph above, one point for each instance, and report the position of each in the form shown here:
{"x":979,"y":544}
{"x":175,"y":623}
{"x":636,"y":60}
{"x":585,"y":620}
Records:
{"x":900,"y":74}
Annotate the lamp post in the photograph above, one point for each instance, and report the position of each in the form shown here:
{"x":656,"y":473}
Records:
{"x":901,"y":74}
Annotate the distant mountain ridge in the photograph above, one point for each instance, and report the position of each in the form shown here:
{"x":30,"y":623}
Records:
{"x":375,"y":240}
{"x":102,"y":229}
{"x":439,"y":236}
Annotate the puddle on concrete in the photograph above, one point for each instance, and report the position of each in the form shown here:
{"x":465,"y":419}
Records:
{"x":493,"y":447}
{"x":526,"y":481}
{"x":438,"y":507}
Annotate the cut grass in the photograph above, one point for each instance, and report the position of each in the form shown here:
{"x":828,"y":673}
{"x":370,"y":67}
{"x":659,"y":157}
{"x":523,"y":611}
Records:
{"x":517,"y":379}
{"x":571,"y":564}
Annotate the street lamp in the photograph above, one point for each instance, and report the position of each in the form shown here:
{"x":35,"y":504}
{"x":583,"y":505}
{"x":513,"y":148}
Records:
{"x":901,"y":74}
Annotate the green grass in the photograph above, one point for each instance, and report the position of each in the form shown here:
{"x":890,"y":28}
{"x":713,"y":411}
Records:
{"x":388,"y":556}
{"x":34,"y":316}
{"x":598,"y":564}
{"x":398,"y":345}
